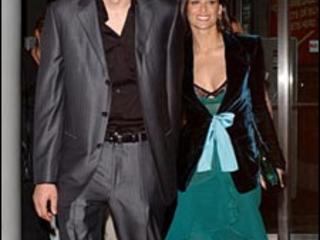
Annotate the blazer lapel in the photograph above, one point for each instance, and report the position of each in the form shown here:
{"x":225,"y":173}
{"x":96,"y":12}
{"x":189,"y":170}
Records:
{"x":144,"y":15}
{"x":237,"y":63}
{"x":88,"y":16}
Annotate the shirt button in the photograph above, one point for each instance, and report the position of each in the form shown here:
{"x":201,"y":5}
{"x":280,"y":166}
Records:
{"x":118,"y":90}
{"x":104,"y":114}
{"x":99,"y":145}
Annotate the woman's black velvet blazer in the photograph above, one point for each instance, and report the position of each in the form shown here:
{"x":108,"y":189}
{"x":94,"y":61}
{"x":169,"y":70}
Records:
{"x":252,"y":131}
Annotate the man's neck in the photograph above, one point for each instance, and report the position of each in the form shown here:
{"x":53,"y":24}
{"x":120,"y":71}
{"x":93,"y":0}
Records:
{"x":117,"y":3}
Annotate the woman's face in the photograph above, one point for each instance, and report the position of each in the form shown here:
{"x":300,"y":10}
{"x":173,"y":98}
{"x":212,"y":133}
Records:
{"x":203,"y":14}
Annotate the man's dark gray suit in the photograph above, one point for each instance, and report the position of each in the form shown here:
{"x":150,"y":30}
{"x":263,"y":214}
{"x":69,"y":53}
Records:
{"x":74,"y":89}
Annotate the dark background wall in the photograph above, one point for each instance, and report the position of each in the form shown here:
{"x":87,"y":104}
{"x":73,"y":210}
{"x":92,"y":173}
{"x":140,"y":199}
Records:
{"x":31,"y":10}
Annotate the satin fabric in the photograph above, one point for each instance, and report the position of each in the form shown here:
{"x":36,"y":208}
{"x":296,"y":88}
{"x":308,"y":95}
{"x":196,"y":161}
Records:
{"x":219,"y":137}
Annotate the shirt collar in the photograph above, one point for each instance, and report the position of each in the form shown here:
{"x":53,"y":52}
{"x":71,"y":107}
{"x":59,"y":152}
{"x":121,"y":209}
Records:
{"x":103,"y":14}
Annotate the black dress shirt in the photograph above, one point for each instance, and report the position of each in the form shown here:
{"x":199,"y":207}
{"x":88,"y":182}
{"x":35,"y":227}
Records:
{"x":125,"y":113}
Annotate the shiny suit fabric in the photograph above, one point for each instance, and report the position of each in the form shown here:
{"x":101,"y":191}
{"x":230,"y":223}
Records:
{"x":252,"y":130}
{"x":74,"y":89}
{"x":123,"y":186}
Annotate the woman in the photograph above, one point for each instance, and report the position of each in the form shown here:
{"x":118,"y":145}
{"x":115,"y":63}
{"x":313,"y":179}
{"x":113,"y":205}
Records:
{"x":227,"y":129}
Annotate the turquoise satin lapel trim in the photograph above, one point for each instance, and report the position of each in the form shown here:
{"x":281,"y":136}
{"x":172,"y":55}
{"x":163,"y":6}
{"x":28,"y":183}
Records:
{"x":218,"y":136}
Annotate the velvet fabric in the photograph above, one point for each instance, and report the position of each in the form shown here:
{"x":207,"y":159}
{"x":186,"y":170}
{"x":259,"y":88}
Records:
{"x":252,"y":130}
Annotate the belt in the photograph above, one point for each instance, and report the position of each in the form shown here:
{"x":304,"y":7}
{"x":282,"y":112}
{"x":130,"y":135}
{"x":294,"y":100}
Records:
{"x":116,"y":137}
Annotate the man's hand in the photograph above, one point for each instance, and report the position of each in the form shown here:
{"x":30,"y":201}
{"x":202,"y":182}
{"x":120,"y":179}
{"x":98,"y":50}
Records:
{"x":45,"y":198}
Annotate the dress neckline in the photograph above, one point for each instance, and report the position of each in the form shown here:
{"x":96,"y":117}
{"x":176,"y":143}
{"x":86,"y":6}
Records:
{"x":202,"y":92}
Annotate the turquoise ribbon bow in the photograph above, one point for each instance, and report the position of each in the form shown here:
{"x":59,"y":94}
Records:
{"x":218,"y":136}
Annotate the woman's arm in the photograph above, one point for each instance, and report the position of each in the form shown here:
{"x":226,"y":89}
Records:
{"x":264,"y":123}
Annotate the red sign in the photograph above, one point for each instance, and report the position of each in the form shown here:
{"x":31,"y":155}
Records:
{"x":303,"y":24}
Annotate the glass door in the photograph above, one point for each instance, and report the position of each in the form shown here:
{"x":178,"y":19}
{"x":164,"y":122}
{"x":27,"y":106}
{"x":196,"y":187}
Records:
{"x":289,"y":29}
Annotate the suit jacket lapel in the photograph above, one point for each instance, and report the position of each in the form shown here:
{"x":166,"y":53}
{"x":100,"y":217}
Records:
{"x":144,"y":15}
{"x":88,"y":16}
{"x":237,"y":64}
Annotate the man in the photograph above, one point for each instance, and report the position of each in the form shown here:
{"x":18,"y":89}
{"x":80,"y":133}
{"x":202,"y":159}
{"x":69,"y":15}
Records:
{"x":107,"y":116}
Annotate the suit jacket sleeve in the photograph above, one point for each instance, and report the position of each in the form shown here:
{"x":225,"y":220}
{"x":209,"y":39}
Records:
{"x":267,"y":136}
{"x":48,"y":118}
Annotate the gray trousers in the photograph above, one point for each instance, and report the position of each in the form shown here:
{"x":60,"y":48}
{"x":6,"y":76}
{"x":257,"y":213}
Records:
{"x":124,"y":185}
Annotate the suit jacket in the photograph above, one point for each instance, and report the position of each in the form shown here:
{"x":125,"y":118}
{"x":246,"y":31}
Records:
{"x":74,"y":89}
{"x":252,"y":130}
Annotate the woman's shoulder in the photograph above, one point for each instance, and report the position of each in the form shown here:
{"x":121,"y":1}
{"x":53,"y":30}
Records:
{"x":248,"y":38}
{"x":250,"y":42}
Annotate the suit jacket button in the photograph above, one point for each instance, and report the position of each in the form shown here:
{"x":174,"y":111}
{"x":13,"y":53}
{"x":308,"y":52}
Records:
{"x":104,"y":114}
{"x":107,"y":82}
{"x":99,"y":145}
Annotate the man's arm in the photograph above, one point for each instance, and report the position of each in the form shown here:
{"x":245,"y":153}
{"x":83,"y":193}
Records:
{"x":48,"y":118}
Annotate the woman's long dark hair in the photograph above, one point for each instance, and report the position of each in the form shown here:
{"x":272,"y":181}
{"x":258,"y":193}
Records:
{"x":223,"y":24}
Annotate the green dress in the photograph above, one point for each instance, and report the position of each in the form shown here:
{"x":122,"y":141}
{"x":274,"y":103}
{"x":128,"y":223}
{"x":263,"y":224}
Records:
{"x":212,"y":209}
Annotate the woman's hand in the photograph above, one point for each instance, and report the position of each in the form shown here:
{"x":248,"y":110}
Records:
{"x":281,"y":176}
